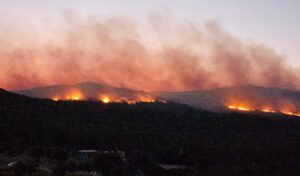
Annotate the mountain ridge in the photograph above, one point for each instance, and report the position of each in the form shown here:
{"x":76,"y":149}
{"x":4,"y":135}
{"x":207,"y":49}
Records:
{"x":216,"y":100}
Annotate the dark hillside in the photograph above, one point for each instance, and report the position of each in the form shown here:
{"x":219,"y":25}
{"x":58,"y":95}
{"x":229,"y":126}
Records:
{"x":165,"y":132}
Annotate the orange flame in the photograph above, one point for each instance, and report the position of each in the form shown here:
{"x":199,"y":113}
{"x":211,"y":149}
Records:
{"x":267,"y":109}
{"x":55,"y":98}
{"x":114,"y":99}
{"x":240,"y":108}
{"x":74,"y":95}
{"x":290,"y":113}
{"x":105,"y":99}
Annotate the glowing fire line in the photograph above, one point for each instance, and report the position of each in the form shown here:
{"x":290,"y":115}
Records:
{"x":266,"y":110}
{"x":105,"y":98}
{"x":111,"y":99}
{"x":240,"y":108}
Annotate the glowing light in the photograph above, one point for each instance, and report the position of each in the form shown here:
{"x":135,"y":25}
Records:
{"x":105,"y":99}
{"x":243,"y":109}
{"x":232,"y":107}
{"x":290,"y":113}
{"x":71,"y":95}
{"x":259,"y":105}
{"x":68,"y":98}
{"x":142,"y":100}
{"x":74,"y":95}
{"x":267,"y":110}
{"x":240,"y":108}
{"x":75,"y":98}
{"x":55,"y":98}
{"x":116,"y":99}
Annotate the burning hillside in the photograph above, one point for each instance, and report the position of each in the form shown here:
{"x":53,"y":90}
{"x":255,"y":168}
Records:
{"x":138,"y":98}
{"x":152,"y":55}
{"x":244,"y":98}
{"x":247,"y":108}
{"x":175,"y":56}
{"x":90,"y":91}
{"x":264,"y":100}
{"x":105,"y":98}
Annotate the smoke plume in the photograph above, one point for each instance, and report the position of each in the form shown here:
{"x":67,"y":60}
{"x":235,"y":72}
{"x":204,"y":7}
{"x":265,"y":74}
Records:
{"x":153,"y":55}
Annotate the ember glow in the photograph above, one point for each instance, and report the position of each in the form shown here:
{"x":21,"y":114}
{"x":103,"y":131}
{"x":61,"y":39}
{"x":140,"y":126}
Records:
{"x":77,"y":95}
{"x":115,"y":99}
{"x":67,"y":98}
{"x":105,"y":99}
{"x":146,"y":99}
{"x":265,"y":110}
{"x":290,"y":113}
{"x":267,"y":100}
{"x":55,"y":98}
{"x":74,"y":95}
{"x":240,"y":108}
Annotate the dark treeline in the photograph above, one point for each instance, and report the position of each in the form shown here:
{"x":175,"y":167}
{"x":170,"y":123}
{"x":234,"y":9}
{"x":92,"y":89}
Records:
{"x":249,"y":144}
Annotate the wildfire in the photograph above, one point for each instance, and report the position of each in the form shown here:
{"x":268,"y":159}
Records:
{"x":105,"y":99}
{"x":67,"y":98}
{"x":70,"y":96}
{"x":115,"y":99}
{"x":55,"y":98}
{"x":141,"y":99}
{"x":266,"y":110}
{"x":73,"y":98}
{"x":290,"y":113}
{"x":240,"y":108}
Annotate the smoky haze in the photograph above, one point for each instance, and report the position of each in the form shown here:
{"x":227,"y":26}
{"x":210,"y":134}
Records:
{"x":155,"y":54}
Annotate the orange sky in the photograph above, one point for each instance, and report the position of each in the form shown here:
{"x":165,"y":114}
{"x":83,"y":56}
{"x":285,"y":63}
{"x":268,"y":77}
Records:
{"x":153,"y":55}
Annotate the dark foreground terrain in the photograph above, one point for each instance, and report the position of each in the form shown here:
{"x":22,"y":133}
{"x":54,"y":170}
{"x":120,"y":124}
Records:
{"x":149,"y":136}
